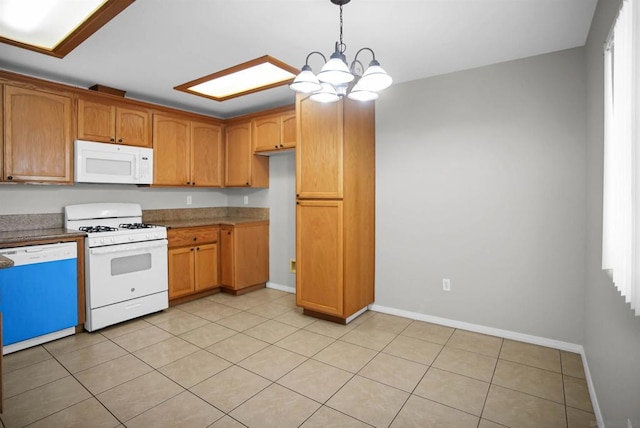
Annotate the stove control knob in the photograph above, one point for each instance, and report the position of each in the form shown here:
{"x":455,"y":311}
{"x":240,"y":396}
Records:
{"x":131,"y":238}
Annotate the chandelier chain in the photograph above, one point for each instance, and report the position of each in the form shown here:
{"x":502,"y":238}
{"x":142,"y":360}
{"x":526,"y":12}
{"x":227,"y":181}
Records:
{"x":341,"y":47}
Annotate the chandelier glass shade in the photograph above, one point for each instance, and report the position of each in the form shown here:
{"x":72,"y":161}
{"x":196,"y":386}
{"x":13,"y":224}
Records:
{"x":336,"y":76}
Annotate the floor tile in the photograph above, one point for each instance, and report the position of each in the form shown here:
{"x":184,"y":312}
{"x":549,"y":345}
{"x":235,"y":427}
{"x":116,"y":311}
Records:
{"x":327,"y":417}
{"x":372,"y":339}
{"x":165,"y":352}
{"x":227,"y":422}
{"x":124,"y":328}
{"x":470,"y":364}
{"x":513,"y":408}
{"x":269,"y":294}
{"x":46,"y":400}
{"x":266,"y":409}
{"x":182,"y":324}
{"x":33,"y":376}
{"x":73,"y":343}
{"x":185,"y":410}
{"x":295,"y":318}
{"x":315,"y":380}
{"x":209,"y":310}
{"x":576,"y":393}
{"x":572,"y":364}
{"x":138,"y":395}
{"x":230,"y":388}
{"x":475,"y":342}
{"x":78,"y":415}
{"x":580,"y":419}
{"x":305,"y":342}
{"x":270,"y":331}
{"x":237,"y":348}
{"x":531,"y":355}
{"x":429,"y":332}
{"x":142,"y":338}
{"x":365,"y":316}
{"x":368,"y":401}
{"x":241,"y":321}
{"x":272,"y":362}
{"x":394,"y":371}
{"x":194,"y":368}
{"x":484,"y":423}
{"x":531,"y":380}
{"x":345,"y":356}
{"x":112,"y":373}
{"x":453,"y":390}
{"x":288,"y":301}
{"x":413,"y":349}
{"x":24,"y":358}
{"x":207,"y":335}
{"x":269,"y":310}
{"x":385,"y":322}
{"x":164,"y":315}
{"x":331,"y":329}
{"x":90,"y":356}
{"x":421,"y":413}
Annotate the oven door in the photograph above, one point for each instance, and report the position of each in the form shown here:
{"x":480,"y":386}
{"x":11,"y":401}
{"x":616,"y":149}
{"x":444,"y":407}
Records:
{"x":117,"y":273}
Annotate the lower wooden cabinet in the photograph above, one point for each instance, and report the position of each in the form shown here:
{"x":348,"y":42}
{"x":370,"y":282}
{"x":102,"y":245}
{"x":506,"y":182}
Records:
{"x":193,"y":261}
{"x":244,"y":256}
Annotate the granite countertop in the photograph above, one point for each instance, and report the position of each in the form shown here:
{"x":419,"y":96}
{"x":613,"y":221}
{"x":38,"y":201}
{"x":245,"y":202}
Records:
{"x":5,"y":262}
{"x":196,"y":222}
{"x":24,"y":236}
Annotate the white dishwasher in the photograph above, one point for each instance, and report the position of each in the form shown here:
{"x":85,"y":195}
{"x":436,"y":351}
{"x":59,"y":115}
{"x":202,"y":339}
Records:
{"x":38,"y":295}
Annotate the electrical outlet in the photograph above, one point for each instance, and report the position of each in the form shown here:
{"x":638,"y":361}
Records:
{"x":292,"y":266}
{"x":246,"y":200}
{"x":446,"y":284}
{"x":189,"y":200}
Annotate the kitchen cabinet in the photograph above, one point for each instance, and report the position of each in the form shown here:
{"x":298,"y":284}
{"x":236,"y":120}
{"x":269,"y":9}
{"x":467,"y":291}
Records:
{"x":105,"y":122}
{"x":38,"y":138}
{"x":244,"y":256}
{"x":274,"y":133}
{"x":186,"y":152}
{"x":193,"y":262}
{"x":241,"y":167}
{"x":335,"y":208}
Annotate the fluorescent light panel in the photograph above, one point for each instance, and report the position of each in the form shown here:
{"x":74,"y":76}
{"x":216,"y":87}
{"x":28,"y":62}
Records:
{"x":252,"y":76}
{"x":54,"y":27}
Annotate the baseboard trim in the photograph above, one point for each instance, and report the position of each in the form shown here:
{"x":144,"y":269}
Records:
{"x":281,"y":287}
{"x":506,"y":334}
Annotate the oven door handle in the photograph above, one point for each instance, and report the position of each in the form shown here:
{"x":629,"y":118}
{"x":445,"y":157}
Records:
{"x":121,"y":248}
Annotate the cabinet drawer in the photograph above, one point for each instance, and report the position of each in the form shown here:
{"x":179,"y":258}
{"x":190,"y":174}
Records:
{"x":192,"y":235}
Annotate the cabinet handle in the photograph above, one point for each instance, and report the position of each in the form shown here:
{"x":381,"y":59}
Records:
{"x":10,"y":177}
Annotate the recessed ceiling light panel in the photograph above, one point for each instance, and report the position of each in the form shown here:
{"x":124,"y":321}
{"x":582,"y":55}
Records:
{"x":252,"y":76}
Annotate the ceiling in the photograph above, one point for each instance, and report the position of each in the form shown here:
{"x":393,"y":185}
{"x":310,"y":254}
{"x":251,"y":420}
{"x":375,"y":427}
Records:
{"x":154,"y":45}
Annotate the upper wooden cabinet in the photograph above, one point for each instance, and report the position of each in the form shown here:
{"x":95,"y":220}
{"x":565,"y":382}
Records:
{"x":38,"y":138}
{"x":274,"y":133}
{"x":109,"y":123}
{"x":243,"y":168}
{"x":186,"y":152}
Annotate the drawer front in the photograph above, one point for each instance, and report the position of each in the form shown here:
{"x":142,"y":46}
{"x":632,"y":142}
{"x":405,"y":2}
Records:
{"x":192,"y":236}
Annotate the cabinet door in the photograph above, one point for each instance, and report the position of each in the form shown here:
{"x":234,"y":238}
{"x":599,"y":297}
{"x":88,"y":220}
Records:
{"x":181,"y":275}
{"x":266,"y":134}
{"x":289,"y":131}
{"x":319,"y":154}
{"x":96,"y":121}
{"x":133,"y":127}
{"x":319,"y":255}
{"x":206,"y":154}
{"x":38,"y":142}
{"x":227,"y":261}
{"x":206,"y":266}
{"x":238,"y":154}
{"x":251,"y":246}
{"x":171,"y":151}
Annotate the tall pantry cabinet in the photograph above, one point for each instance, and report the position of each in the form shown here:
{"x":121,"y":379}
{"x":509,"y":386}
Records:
{"x":335,"y":207}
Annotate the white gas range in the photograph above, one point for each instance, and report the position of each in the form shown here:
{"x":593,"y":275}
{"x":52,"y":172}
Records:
{"x":126,"y":272}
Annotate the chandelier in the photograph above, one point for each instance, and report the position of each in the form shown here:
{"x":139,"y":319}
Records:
{"x":335,"y":77}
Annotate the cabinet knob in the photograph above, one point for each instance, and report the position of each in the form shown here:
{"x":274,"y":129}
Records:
{"x":198,"y":248}
{"x":247,"y":183}
{"x":10,"y":177}
{"x":121,"y":140}
{"x":281,"y":145}
{"x":195,"y":238}
{"x":188,"y":182}
{"x":193,"y":184}
{"x":276,"y":146}
{"x":191,"y":249}
{"x":113,"y":140}
{"x":229,"y":232}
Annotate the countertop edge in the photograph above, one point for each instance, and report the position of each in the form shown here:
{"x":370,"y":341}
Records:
{"x":24,"y":237}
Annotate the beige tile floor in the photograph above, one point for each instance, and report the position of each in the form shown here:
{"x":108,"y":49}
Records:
{"x":256,"y":361}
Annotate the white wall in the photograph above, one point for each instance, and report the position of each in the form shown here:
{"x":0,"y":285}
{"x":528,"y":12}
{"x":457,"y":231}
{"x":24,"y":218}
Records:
{"x":480,"y":179}
{"x":35,"y":199}
{"x":612,"y":332}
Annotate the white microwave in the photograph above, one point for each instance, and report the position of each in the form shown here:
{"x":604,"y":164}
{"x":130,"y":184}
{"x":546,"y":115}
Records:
{"x":112,"y":163}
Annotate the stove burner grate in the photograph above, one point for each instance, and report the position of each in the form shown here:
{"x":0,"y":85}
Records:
{"x":136,"y":226}
{"x":96,"y":229}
